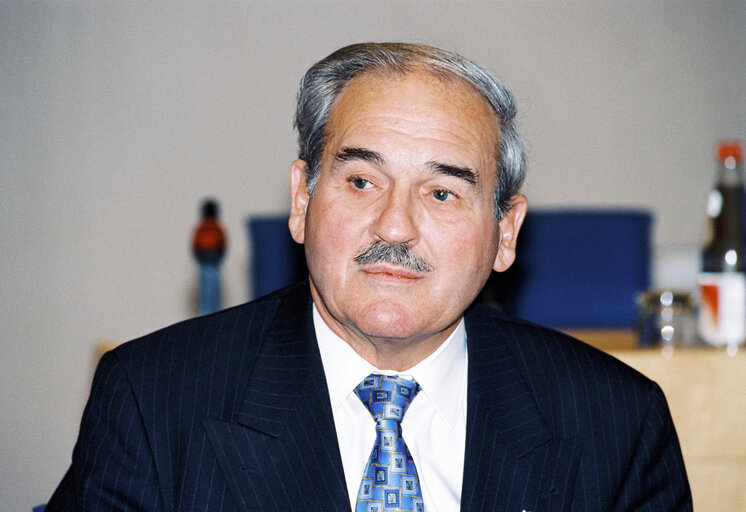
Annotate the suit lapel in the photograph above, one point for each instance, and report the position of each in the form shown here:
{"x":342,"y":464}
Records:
{"x":281,"y":450}
{"x":512,"y":461}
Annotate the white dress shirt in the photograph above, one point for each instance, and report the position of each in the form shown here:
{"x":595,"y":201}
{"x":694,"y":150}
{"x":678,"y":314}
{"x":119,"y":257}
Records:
{"x":434,"y":426}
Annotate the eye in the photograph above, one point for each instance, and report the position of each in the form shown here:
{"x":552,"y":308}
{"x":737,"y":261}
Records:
{"x":360,"y":183}
{"x":441,"y":194}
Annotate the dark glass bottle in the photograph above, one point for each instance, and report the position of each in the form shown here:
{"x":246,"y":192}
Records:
{"x":722,"y":280}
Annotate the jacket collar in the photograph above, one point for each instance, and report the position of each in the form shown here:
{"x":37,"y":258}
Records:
{"x":284,"y":429}
{"x":288,"y":358}
{"x":499,"y":393}
{"x":504,"y":423}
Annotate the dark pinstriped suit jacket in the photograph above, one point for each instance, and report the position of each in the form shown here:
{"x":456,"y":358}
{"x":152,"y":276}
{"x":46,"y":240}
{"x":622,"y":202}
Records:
{"x":231,"y":412}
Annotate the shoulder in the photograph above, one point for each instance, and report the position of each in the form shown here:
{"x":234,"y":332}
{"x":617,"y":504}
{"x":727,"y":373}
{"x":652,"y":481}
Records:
{"x":235,"y":328}
{"x":567,"y":377}
{"x":532,"y":342}
{"x":207,"y":356}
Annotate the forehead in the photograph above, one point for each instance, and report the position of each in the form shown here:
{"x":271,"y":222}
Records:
{"x":422,"y":105}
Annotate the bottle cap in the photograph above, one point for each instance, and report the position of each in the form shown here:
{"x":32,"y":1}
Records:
{"x":210,"y":209}
{"x":729,"y":149}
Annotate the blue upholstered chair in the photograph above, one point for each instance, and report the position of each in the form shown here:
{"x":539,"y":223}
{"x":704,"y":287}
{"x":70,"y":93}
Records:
{"x":275,"y":260}
{"x":575,"y":268}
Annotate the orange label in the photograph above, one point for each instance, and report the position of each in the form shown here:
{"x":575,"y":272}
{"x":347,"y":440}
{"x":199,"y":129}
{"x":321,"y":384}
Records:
{"x":710,"y":297}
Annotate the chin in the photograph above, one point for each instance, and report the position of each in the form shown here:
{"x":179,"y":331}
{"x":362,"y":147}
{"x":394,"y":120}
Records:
{"x":387,"y":321}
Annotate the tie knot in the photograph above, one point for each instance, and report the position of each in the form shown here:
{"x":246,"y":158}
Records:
{"x":387,"y":397}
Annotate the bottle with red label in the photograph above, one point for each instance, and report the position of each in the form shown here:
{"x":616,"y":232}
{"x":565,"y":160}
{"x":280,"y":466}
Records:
{"x":722,"y":280}
{"x":208,"y":247}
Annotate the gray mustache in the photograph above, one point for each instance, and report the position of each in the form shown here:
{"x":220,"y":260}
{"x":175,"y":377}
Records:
{"x":397,"y":253}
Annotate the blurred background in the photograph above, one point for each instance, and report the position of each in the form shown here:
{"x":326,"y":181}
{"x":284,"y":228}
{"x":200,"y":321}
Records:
{"x":118,"y":118}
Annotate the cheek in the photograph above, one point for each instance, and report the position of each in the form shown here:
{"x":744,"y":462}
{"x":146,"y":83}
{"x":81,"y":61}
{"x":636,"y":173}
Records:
{"x":463,"y":247}
{"x":333,"y":235}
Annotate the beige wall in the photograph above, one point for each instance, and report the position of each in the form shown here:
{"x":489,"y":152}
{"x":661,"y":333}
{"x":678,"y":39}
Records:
{"x":116,"y":118}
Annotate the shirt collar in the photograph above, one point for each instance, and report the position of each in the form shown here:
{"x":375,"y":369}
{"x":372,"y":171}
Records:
{"x":441,"y":375}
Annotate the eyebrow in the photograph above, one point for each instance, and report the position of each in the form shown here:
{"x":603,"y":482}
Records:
{"x":346,"y":154}
{"x":453,"y":170}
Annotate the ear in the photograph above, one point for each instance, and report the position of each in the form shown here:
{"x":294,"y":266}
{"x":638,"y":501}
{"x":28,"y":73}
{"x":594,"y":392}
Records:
{"x":509,"y":226}
{"x":298,"y":201}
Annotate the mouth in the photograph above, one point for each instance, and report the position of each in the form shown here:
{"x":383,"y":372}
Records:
{"x":391,"y":273}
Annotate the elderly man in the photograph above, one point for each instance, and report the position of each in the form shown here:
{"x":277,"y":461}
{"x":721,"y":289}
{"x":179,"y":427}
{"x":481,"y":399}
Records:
{"x":376,"y":386}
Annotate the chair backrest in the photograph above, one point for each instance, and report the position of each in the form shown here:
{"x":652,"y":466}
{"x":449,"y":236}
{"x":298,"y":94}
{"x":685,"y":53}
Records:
{"x":275,"y":259}
{"x":575,"y":268}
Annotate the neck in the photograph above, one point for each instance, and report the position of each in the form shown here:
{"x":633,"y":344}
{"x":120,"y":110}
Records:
{"x":394,"y":354}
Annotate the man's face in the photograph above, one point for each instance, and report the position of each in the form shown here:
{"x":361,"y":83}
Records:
{"x":410,"y":161}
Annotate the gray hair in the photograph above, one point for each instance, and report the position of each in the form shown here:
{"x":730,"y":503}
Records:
{"x":324,"y":81}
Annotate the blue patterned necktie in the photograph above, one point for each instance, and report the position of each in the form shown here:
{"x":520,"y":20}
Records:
{"x":390,"y":482}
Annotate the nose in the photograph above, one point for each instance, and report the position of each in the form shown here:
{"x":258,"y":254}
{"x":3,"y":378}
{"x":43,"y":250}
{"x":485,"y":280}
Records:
{"x":396,"y":220}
